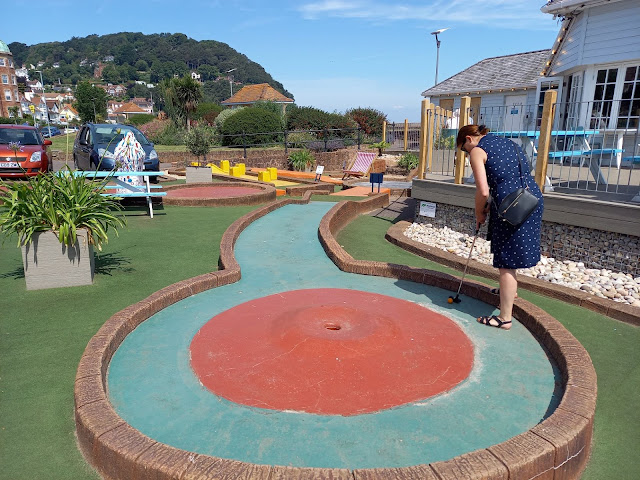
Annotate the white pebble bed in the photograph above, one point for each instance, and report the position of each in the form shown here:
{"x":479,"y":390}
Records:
{"x":603,"y":283}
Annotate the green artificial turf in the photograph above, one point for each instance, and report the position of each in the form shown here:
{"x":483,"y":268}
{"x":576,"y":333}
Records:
{"x":612,"y":345}
{"x":43,"y":333}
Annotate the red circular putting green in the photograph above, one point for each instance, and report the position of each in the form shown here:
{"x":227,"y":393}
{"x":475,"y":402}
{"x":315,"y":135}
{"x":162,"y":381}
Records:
{"x":330,"y":351}
{"x":212,"y":192}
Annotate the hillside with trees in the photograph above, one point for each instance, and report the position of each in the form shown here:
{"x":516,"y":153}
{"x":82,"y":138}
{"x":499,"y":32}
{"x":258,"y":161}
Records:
{"x":128,"y":57}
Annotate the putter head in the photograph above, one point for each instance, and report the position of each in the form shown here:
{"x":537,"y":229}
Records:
{"x":457,"y":299}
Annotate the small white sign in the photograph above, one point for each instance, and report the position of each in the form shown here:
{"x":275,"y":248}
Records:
{"x":320,"y":169}
{"x":427,"y":209}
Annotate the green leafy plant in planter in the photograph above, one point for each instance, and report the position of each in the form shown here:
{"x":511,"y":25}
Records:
{"x":64,"y":210}
{"x":198,"y":142}
{"x":381,"y":146}
{"x":408,"y":161}
{"x":62,"y":203}
{"x":301,"y":159}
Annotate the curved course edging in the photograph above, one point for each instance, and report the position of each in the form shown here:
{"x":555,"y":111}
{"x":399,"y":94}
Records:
{"x":556,"y":448}
{"x":267,"y":194}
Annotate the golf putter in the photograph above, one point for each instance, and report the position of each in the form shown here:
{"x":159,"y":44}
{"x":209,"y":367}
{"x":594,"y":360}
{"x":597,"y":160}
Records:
{"x":456,"y":299}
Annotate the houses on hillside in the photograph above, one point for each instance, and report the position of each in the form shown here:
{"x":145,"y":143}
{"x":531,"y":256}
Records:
{"x":251,"y":94}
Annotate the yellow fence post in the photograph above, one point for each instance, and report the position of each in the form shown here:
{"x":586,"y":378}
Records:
{"x":384,"y":131}
{"x":406,"y":134}
{"x":422,"y":161}
{"x":544,"y":142}
{"x":465,"y":105}
{"x":431,"y":135}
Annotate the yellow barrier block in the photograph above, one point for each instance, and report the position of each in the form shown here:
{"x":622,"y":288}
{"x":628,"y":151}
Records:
{"x":264,"y":176}
{"x":236,"y":171}
{"x":242,"y":167}
{"x":224,"y":166}
{"x":273,"y":173}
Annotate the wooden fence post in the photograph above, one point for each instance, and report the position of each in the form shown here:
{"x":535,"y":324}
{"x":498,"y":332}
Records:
{"x":465,"y":105}
{"x":406,"y":134}
{"x":544,"y":142}
{"x":384,"y":131}
{"x":431,"y":135}
{"x":422,"y":160}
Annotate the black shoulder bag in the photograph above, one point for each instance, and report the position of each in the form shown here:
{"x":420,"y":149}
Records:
{"x":516,"y":207}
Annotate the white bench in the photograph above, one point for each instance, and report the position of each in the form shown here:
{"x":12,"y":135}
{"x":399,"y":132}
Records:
{"x":132,"y":190}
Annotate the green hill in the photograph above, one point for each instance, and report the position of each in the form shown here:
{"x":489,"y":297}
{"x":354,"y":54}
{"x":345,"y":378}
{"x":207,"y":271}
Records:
{"x":126,"y":57}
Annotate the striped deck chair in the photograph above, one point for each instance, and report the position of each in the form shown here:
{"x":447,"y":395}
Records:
{"x":360,"y":166}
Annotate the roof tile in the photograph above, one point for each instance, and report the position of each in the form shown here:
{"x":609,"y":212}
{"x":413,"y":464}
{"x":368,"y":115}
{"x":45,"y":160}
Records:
{"x":506,"y":72}
{"x":255,"y":93}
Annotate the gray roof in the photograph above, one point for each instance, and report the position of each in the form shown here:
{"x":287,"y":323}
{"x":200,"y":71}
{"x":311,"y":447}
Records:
{"x":510,"y":71}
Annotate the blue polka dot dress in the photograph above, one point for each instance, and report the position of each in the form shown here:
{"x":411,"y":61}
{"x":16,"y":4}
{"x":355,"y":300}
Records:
{"x":511,"y":247}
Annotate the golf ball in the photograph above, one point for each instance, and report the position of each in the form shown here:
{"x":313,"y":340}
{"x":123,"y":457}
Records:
{"x":450,"y":300}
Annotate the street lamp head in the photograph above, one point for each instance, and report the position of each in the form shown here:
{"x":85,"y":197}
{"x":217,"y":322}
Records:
{"x":229,"y":71}
{"x":439,"y":31}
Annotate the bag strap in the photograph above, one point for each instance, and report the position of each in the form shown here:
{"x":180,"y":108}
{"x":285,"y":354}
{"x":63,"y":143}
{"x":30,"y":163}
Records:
{"x":519,"y":155}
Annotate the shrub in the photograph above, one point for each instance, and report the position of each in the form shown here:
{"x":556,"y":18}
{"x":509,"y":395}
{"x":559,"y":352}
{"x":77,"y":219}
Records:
{"x":310,"y":118}
{"x":330,"y":145}
{"x":140,"y":119}
{"x":368,"y":119}
{"x":301,"y":159}
{"x":198,"y":142}
{"x":223,"y":116}
{"x":170,"y":135}
{"x":300,"y":139}
{"x":207,"y":112}
{"x":153,"y":128}
{"x":408,"y":161}
{"x":259,"y":126}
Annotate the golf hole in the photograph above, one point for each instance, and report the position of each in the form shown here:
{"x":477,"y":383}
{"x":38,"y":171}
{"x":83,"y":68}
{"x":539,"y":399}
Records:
{"x":332,"y":326}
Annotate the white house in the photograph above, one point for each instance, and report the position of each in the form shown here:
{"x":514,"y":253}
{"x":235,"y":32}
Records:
{"x":595,"y":63}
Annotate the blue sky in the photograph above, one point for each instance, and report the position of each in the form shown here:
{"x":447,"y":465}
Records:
{"x":330,"y":54}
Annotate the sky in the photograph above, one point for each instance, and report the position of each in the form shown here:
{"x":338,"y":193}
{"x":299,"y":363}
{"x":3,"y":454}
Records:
{"x":329,"y":54}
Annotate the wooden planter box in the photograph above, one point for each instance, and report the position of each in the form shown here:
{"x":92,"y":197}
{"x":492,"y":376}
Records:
{"x":49,"y":264}
{"x":198,"y":174}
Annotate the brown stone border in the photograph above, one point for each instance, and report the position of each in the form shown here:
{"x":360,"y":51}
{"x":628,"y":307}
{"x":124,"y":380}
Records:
{"x":557,"y":448}
{"x":619,"y":311}
{"x":268,"y":194}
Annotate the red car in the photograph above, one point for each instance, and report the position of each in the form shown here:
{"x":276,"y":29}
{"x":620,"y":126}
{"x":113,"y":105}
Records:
{"x":23,"y":151}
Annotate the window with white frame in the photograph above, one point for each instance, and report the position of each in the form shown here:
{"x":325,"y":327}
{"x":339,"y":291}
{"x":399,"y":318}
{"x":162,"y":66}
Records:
{"x":7,"y":95}
{"x":603,"y":96}
{"x":5,"y":79}
{"x":2,"y":62}
{"x":629,"y":114}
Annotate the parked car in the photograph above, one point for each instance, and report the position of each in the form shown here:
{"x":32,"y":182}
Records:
{"x":50,"y":131}
{"x":71,"y":130}
{"x":95,"y":144}
{"x":32,"y":155}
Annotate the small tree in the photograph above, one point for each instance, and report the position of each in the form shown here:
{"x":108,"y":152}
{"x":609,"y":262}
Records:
{"x":198,"y":141}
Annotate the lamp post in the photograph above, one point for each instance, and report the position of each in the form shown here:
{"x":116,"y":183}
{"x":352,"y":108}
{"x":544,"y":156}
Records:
{"x":231,"y":80}
{"x":46,"y":107}
{"x":436,"y":33}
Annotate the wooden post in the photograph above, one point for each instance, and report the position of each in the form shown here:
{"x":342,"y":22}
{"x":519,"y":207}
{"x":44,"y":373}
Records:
{"x":465,"y":104}
{"x":431,"y":135}
{"x":422,"y":160}
{"x":544,"y":142}
{"x":384,"y":131}
{"x":406,"y":134}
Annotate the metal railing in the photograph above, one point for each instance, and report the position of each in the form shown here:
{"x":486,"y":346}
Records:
{"x":589,"y":146}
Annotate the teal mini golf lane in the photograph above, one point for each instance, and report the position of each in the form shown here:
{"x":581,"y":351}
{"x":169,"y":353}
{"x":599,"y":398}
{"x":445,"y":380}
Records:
{"x":152,"y":386}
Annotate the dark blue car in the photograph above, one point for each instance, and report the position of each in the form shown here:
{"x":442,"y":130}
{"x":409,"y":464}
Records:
{"x":48,"y":132}
{"x":95,"y":144}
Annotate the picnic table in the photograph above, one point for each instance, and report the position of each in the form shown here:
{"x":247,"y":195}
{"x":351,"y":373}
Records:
{"x":132,"y":191}
{"x":580,"y":148}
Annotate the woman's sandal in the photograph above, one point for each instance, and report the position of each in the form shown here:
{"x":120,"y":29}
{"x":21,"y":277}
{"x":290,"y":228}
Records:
{"x":494,"y":321}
